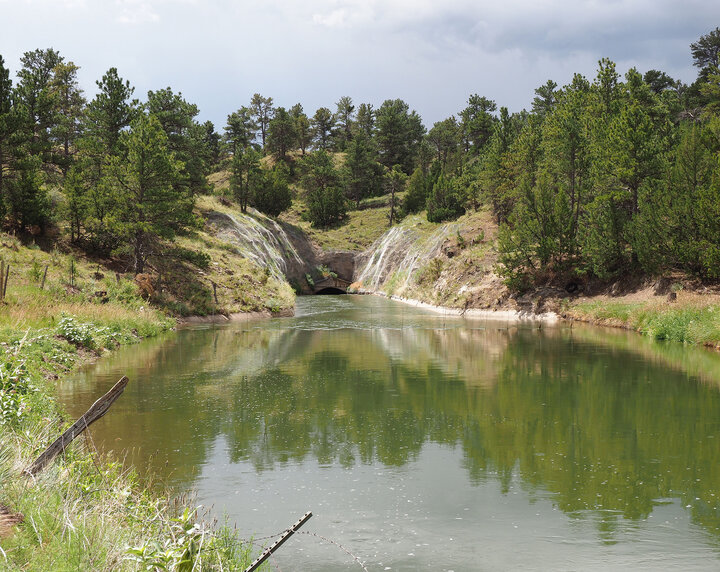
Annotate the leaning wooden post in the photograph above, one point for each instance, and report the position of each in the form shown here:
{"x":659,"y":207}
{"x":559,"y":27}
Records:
{"x":4,"y":285}
{"x":2,"y":279}
{"x":96,"y":411}
{"x":278,"y":543}
{"x":42,"y":284}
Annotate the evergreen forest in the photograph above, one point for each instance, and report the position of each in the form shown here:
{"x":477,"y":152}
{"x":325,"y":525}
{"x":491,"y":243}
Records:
{"x":602,"y":177}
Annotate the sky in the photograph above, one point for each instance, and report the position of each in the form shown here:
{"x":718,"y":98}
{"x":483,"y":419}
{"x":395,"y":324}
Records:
{"x":431,"y":53}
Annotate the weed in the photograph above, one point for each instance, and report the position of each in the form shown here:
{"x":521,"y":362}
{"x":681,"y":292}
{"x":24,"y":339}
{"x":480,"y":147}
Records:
{"x":15,"y":388}
{"x":392,"y":284}
{"x":431,"y":272}
{"x":689,"y":323}
{"x":77,"y":333}
{"x":35,"y":272}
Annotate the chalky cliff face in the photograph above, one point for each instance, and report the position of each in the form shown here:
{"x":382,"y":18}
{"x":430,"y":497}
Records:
{"x":260,"y":239}
{"x":282,"y":249}
{"x":400,"y":254}
{"x":450,"y":264}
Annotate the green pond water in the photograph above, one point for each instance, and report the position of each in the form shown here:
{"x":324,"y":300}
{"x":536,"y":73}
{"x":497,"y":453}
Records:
{"x":423,"y":442}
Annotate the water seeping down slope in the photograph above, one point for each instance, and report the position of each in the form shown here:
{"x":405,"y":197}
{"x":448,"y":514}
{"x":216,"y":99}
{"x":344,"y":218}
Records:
{"x":283,"y":249}
{"x":401,"y":252}
{"x":260,"y":239}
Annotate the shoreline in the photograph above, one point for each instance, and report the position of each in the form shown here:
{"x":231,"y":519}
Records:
{"x":233,"y":317}
{"x":676,"y":322}
{"x":640,"y":316}
{"x":499,"y":315}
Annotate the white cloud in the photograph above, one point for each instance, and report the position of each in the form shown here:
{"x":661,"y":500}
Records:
{"x":136,"y":12}
{"x":432,"y":53}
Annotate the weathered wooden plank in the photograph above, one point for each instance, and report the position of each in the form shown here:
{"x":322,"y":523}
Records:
{"x":96,"y":411}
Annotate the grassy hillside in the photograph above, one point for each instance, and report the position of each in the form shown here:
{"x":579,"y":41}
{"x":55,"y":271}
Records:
{"x":357,"y":232}
{"x":81,"y":512}
{"x":363,"y":225}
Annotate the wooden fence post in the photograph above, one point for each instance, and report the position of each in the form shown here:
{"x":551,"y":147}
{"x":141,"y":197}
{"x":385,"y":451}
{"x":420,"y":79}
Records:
{"x":96,"y":411}
{"x":42,"y":284}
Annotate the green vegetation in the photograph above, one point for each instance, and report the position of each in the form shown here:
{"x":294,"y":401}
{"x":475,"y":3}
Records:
{"x":360,"y":228}
{"x":694,"y":321}
{"x":81,"y":513}
{"x":103,"y":203}
{"x":322,"y":183}
{"x":599,"y":179}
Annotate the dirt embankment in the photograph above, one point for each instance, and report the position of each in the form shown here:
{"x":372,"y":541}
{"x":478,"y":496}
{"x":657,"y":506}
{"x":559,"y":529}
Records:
{"x":457,"y":273}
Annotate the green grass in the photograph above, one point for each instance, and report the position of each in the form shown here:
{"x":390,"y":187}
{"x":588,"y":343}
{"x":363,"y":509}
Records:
{"x":615,"y":313}
{"x":690,"y":322}
{"x":82,"y":512}
{"x":357,"y":232}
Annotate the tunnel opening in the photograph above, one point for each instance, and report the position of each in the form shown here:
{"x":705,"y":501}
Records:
{"x":330,"y":291}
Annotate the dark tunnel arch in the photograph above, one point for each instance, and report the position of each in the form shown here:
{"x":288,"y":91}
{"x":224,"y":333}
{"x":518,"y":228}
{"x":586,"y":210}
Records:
{"x":330,"y":290}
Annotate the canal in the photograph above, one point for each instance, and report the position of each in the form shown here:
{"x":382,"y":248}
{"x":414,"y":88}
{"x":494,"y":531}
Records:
{"x":426,"y":442}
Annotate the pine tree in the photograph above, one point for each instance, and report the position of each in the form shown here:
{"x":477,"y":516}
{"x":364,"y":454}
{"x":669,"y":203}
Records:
{"x":245,"y":175}
{"x":419,"y":187}
{"x":281,"y":134}
{"x":303,"y":132}
{"x":149,"y":205}
{"x":186,"y":137}
{"x":477,"y":123}
{"x":240,"y":129}
{"x":272,"y":194}
{"x":444,"y":137}
{"x":8,"y":125}
{"x":26,"y":196}
{"x":344,"y":120}
{"x":110,"y":112}
{"x":395,"y":181}
{"x":444,"y":202}
{"x":322,"y":125}
{"x":262,"y":110}
{"x":365,"y":120}
{"x":70,"y":107}
{"x":362,"y":174}
{"x":35,"y":100}
{"x":399,"y":132}
{"x":323,"y":188}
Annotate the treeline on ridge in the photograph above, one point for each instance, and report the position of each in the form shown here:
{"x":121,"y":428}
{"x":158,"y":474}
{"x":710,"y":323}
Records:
{"x":601,"y":178}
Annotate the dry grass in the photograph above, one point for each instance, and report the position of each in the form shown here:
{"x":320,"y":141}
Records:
{"x":44,"y":285}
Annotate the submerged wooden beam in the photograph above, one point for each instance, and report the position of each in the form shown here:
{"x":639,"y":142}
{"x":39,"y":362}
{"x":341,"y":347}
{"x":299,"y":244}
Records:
{"x":278,"y":543}
{"x":96,"y":411}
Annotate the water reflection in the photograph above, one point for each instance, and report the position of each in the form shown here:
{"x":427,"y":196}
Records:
{"x":607,"y":426}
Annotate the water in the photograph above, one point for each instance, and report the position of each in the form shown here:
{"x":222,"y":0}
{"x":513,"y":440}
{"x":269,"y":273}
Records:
{"x":424,"y":442}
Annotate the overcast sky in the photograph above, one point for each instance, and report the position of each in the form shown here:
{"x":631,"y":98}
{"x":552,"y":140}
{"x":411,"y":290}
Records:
{"x":431,"y":53}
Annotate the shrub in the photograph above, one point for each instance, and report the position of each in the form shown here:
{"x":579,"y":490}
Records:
{"x":77,"y":333}
{"x":14,"y":389}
